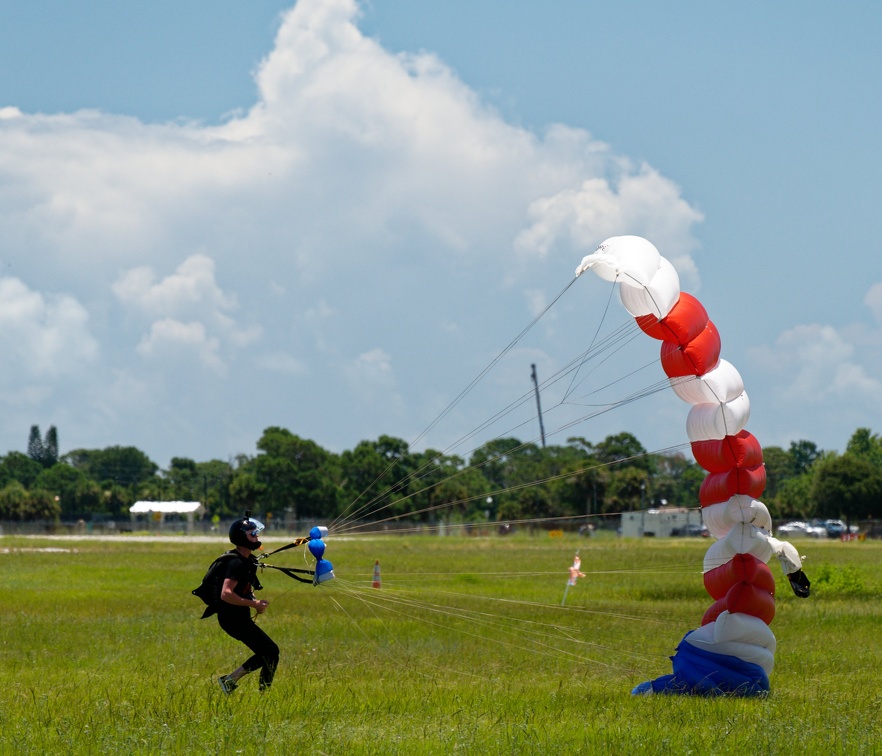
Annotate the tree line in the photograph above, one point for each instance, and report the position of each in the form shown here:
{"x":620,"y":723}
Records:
{"x":503,"y":480}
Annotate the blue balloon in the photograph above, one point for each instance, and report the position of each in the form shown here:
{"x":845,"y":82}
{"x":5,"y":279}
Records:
{"x":317,"y":548}
{"x":319,"y":531}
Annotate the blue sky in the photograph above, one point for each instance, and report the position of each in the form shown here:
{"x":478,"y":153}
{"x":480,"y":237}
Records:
{"x":220,"y":216}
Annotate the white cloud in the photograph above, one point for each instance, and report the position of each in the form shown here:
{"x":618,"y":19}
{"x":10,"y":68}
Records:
{"x":644,"y":203}
{"x":42,"y":337}
{"x":815,"y":365}
{"x":873,"y":300}
{"x":190,"y":292}
{"x":191,"y":287}
{"x":320,"y":312}
{"x":173,"y":342}
{"x":373,"y":193}
{"x":537,"y":301}
{"x":279,"y":362}
{"x":371,"y":371}
{"x":352,"y":156}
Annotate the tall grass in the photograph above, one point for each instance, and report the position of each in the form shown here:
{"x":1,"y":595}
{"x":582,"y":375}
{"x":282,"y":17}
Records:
{"x":465,"y":648}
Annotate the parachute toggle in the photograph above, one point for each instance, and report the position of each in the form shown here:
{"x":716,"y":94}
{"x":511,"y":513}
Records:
{"x":317,"y":548}
{"x":324,"y":570}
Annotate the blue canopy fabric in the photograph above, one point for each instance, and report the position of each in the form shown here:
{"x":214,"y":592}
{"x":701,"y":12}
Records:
{"x":704,"y":673}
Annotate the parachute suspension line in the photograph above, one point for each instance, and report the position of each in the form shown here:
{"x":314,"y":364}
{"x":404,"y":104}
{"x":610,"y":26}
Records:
{"x":341,"y":529}
{"x":618,"y":346}
{"x":629,"y":330}
{"x":447,"y":616}
{"x":593,"y":339}
{"x":418,"y":577}
{"x":349,"y":513}
{"x":409,"y":608}
{"x":570,"y":609}
{"x":519,"y":402}
{"x":608,"y":346}
{"x":609,"y":407}
{"x":526,"y":634}
{"x":417,"y":476}
{"x":346,"y":513}
{"x":647,"y":289}
{"x":381,"y":649}
{"x":340,"y":523}
{"x":574,"y":364}
{"x":426,"y":468}
{"x":347,"y":590}
{"x":492,"y":363}
{"x":478,"y":497}
{"x":654,"y":388}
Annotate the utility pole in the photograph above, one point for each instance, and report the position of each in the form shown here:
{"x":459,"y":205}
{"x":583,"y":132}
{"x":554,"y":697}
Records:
{"x":538,"y":405}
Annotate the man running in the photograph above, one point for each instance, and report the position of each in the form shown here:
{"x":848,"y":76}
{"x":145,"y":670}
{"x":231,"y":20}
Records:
{"x":237,"y":600}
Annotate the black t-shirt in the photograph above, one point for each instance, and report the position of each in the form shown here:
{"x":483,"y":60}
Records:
{"x":244,"y":572}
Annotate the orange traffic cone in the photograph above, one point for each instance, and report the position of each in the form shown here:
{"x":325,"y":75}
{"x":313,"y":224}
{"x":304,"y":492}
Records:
{"x":376,"y":581}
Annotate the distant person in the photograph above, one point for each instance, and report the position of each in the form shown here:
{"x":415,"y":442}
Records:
{"x":238,"y":570}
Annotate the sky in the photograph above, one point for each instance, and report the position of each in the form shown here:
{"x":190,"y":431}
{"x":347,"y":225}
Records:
{"x":344,"y":218}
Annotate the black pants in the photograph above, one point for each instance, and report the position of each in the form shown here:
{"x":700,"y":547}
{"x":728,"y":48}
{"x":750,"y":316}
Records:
{"x":265,"y":657}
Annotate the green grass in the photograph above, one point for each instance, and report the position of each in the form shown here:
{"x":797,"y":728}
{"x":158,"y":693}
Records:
{"x":464,"y":649}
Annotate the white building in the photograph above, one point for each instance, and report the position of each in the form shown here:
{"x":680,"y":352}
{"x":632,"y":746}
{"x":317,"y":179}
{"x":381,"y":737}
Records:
{"x":159,"y":509}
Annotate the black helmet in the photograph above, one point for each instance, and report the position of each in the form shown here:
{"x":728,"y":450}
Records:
{"x":239,"y":530}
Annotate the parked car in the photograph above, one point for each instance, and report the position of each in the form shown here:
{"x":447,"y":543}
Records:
{"x":798,"y":528}
{"x":691,"y":530}
{"x":834,"y":528}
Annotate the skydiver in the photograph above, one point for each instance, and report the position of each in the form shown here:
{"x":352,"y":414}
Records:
{"x":237,"y":600}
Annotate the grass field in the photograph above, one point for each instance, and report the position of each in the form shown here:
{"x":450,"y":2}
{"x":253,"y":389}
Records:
{"x":465,"y":648}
